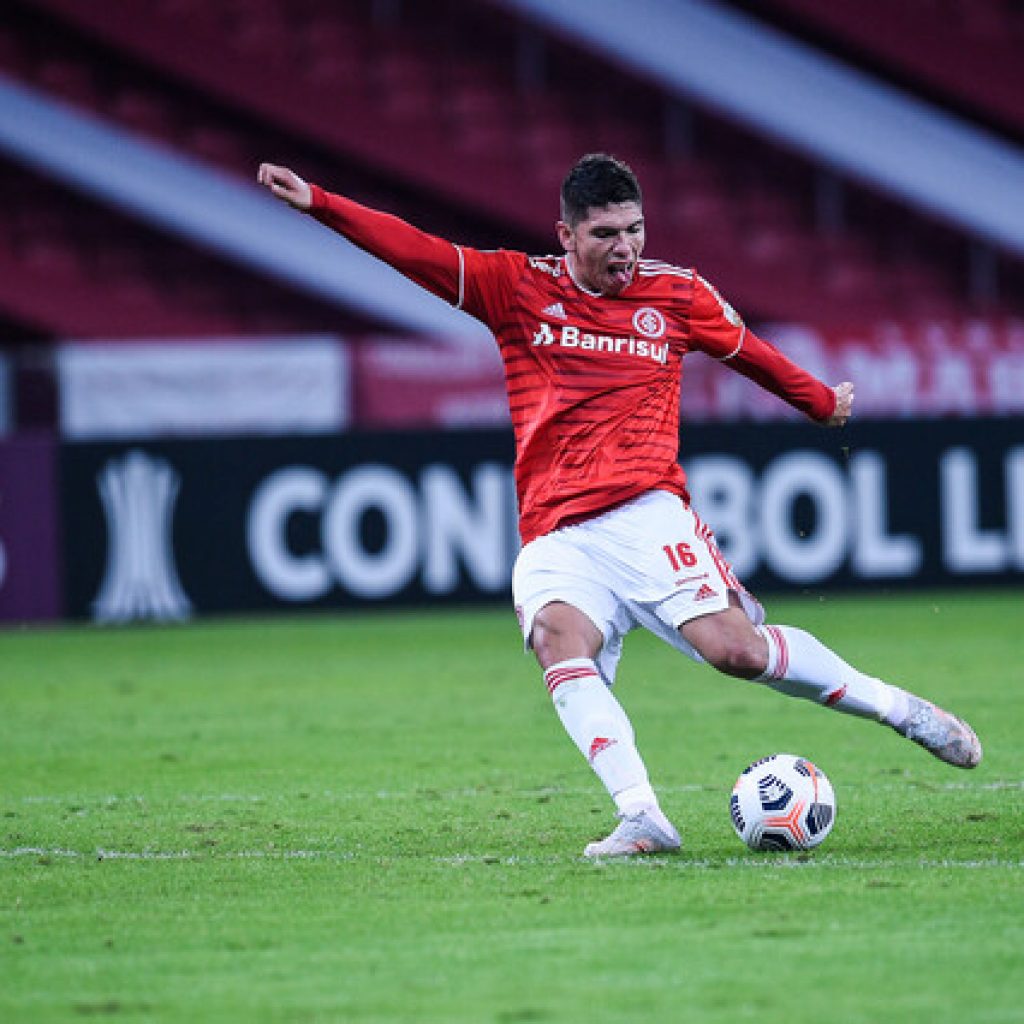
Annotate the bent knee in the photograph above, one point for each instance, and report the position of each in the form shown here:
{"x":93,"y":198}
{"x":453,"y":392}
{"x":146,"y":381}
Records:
{"x":736,"y":656}
{"x":728,"y":642}
{"x":561,"y":631}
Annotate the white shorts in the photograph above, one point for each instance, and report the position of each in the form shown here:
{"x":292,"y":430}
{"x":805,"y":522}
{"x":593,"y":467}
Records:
{"x":650,"y":563}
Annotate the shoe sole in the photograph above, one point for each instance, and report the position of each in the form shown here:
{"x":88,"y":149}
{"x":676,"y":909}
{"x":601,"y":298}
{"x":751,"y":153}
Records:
{"x":639,"y":848}
{"x":962,"y":749}
{"x":971,"y":755}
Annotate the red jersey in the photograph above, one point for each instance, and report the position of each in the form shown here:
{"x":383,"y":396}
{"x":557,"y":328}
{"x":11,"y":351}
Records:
{"x":593,"y":381}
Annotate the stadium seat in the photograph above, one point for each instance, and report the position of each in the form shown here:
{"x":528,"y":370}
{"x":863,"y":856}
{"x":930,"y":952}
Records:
{"x":432,"y":119}
{"x":71,"y":267}
{"x":966,"y":55}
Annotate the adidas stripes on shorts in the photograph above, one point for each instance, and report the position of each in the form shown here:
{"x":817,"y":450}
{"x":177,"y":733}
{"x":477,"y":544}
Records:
{"x":650,"y":563}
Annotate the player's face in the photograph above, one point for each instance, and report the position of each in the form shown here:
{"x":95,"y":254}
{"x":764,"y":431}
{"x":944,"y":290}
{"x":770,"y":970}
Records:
{"x":604,"y":247}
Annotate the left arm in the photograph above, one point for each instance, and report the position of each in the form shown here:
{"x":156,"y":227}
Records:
{"x":844,"y":405}
{"x":767,"y":366}
{"x":718,"y":331}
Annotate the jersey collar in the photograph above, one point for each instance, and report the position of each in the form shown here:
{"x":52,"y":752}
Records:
{"x":572,"y":277}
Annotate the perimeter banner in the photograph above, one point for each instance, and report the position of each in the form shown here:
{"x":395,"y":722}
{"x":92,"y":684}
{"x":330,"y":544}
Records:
{"x":170,"y":530}
{"x":175,"y":529}
{"x":29,"y":557}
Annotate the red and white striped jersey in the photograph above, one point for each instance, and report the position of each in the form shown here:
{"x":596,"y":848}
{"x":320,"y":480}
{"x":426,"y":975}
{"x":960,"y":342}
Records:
{"x":593,"y":381}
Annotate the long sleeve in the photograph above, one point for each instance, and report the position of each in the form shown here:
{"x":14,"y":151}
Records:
{"x":719,"y":331}
{"x":432,"y":262}
{"x":767,"y":366}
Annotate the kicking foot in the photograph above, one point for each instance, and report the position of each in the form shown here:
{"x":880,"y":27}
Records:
{"x":949,"y":738}
{"x":647,"y":831}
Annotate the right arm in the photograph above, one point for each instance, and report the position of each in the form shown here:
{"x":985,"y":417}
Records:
{"x":432,"y":262}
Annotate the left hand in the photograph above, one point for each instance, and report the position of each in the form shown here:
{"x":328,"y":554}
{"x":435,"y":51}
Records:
{"x":844,"y":405}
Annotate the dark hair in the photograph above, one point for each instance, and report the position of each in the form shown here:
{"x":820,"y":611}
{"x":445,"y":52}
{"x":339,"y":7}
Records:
{"x":597,"y":179}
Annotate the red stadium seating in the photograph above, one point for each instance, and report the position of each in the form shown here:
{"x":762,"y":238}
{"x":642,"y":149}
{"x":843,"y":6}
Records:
{"x":967,"y":53}
{"x":431,"y":118}
{"x":73,"y":268}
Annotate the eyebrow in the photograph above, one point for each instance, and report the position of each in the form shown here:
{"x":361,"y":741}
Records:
{"x":602,"y":228}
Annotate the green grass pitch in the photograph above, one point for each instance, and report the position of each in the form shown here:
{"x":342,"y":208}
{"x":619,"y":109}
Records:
{"x":377,"y":818}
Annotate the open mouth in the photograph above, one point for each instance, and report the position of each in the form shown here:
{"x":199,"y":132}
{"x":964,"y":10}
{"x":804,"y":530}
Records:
{"x":621,"y":273}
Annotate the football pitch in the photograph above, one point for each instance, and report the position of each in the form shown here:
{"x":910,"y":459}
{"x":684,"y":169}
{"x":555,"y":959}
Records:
{"x":378,"y":818}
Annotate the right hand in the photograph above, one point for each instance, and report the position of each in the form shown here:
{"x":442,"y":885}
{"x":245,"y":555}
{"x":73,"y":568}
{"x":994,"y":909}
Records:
{"x":286,"y":184}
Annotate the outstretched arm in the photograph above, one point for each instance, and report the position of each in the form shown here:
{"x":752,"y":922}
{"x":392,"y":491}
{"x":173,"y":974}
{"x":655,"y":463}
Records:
{"x":844,"y":405}
{"x":720,"y":332}
{"x":431,"y":262}
{"x":767,"y":366}
{"x":286,"y":184}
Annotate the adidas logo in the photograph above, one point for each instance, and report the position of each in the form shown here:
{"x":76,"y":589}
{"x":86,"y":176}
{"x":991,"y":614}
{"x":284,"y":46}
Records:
{"x":835,"y":697}
{"x":704,"y":593}
{"x":556,"y":309}
{"x":600,"y":743}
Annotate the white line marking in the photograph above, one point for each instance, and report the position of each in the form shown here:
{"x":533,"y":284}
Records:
{"x":482,"y":791}
{"x":801,"y":862}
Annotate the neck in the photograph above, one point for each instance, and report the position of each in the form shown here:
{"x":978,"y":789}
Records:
{"x":570,"y":266}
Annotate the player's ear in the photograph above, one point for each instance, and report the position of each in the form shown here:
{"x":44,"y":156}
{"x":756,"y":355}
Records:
{"x":566,"y":236}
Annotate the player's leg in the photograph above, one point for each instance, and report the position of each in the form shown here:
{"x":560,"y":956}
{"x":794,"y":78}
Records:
{"x":794,"y":662}
{"x":560,"y":609}
{"x":567,"y":643}
{"x":800,"y":665}
{"x":716,"y":619}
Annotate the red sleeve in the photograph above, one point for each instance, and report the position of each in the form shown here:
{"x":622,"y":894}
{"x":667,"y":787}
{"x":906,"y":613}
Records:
{"x":432,"y":262}
{"x":489,"y":278}
{"x":718,"y":330}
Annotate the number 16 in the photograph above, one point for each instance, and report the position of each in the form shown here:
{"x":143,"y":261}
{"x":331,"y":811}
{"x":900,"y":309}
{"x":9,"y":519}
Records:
{"x":680,"y":557}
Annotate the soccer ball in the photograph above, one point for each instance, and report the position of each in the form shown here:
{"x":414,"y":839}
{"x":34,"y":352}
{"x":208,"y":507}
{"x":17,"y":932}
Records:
{"x":782,"y":802}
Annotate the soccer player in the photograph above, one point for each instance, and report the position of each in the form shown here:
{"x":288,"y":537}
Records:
{"x":592,"y":343}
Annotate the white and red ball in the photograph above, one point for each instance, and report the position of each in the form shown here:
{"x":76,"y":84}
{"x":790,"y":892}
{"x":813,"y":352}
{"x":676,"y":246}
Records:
{"x":782,"y":802}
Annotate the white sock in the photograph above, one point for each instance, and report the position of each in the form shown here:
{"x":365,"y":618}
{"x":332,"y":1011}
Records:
{"x":802,"y":666}
{"x":598,"y":726}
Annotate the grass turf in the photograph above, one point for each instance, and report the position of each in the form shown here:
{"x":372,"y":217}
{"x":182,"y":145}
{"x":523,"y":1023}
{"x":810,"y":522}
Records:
{"x":378,"y":818}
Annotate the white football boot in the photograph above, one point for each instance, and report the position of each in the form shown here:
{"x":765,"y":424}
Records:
{"x":646,"y":831}
{"x":949,"y":738}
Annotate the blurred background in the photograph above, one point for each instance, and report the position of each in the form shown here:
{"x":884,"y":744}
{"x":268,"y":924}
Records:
{"x":209,"y":403}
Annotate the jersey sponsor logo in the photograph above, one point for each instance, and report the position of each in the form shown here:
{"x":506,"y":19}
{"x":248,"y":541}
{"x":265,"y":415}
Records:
{"x":649,"y":322}
{"x":547,"y":264}
{"x":570,"y":336}
{"x":556,"y":309}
